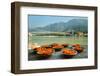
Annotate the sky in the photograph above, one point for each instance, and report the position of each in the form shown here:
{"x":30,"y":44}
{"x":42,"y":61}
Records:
{"x":43,"y":20}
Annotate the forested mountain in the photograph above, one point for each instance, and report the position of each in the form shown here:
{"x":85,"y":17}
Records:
{"x":74,"y":24}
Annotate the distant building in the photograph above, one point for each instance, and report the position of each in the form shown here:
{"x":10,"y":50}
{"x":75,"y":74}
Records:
{"x":29,"y":34}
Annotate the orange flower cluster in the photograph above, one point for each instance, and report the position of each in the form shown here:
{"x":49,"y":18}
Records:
{"x":57,"y":46}
{"x":78,"y":48}
{"x":76,"y":45}
{"x":69,"y":52}
{"x":44,"y":51}
{"x":65,"y":45}
{"x":47,"y":50}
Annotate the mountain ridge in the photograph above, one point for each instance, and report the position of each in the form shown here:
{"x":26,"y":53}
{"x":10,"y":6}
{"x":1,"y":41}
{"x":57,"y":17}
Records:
{"x":74,"y":24}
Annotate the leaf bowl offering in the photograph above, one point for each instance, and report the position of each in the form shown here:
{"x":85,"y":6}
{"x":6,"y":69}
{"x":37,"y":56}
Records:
{"x":79,"y":49}
{"x":58,"y":47}
{"x":44,"y":52}
{"x":76,"y":45}
{"x":65,"y":45}
{"x":68,"y":53}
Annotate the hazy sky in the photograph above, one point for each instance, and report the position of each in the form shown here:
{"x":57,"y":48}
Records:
{"x":41,"y":20}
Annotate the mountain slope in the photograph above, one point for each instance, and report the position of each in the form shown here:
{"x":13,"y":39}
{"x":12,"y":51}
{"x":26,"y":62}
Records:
{"x":74,"y":24}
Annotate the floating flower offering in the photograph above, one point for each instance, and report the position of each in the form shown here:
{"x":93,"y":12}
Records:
{"x":69,"y":52}
{"x":58,"y":47}
{"x":65,"y":45}
{"x":65,"y":50}
{"x":76,"y":45}
{"x":44,"y":51}
{"x":79,"y":49}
